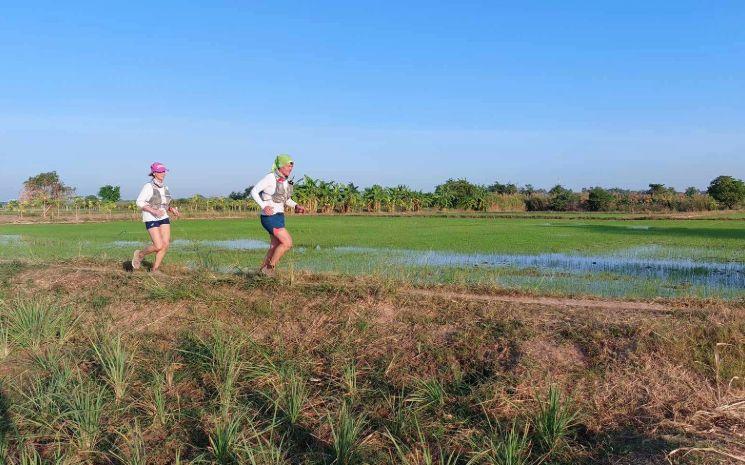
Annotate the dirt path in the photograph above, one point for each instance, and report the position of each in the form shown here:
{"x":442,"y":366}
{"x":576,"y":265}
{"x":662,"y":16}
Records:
{"x":546,"y":301}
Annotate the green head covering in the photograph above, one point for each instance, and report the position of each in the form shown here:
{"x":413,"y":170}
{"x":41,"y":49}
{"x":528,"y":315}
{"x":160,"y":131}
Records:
{"x":281,"y":160}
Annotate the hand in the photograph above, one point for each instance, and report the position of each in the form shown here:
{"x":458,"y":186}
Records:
{"x":175,"y":211}
{"x":268,"y":211}
{"x":299,"y":209}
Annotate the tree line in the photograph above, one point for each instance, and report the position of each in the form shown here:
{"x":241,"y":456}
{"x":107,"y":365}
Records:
{"x":46,"y":191}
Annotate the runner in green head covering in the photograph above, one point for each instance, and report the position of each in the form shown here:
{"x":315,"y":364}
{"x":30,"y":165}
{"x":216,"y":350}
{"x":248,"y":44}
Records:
{"x":273,"y":193}
{"x":282,"y":160}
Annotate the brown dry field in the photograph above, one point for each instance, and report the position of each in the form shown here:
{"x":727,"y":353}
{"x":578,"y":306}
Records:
{"x":646,"y":378}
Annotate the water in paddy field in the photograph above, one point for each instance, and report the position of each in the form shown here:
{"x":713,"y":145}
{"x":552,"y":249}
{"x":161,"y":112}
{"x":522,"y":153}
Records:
{"x":7,"y":239}
{"x":645,"y":271}
{"x":646,"y":268}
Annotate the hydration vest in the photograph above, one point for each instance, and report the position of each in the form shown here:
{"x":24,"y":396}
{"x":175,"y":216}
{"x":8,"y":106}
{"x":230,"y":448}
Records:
{"x":157,"y":200}
{"x":282,"y":193}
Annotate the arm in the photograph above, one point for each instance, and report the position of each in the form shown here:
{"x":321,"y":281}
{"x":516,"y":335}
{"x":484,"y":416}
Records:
{"x":292,"y":204}
{"x":257,"y":189}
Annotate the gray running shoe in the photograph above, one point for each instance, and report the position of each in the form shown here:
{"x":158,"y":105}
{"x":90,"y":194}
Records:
{"x":267,"y":271}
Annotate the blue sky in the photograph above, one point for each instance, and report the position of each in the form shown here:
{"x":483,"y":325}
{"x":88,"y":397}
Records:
{"x":616,"y":93}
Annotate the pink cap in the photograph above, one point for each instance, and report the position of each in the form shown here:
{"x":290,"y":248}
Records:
{"x":158,"y":168}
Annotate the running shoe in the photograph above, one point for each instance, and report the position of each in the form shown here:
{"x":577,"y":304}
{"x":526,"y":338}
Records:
{"x":137,"y":260}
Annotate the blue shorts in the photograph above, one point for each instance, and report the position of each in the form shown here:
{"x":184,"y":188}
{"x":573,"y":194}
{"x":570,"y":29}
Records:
{"x":156,"y":224}
{"x":270,"y":223}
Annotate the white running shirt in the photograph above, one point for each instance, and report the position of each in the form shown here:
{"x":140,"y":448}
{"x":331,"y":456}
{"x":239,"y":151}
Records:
{"x":268,"y":185}
{"x":142,"y":199}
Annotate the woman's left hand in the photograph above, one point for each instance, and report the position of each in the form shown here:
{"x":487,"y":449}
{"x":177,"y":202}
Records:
{"x":175,"y":211}
{"x":299,"y":209}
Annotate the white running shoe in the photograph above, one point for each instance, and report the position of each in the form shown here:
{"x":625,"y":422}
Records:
{"x":137,"y":260}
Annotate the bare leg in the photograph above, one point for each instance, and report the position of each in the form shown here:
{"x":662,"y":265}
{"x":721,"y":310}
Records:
{"x":285,"y":244}
{"x":272,"y":246}
{"x":165,"y":237}
{"x":157,"y":242}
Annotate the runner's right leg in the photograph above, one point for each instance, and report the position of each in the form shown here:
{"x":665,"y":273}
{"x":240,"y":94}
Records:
{"x":285,"y":244}
{"x":272,"y":247}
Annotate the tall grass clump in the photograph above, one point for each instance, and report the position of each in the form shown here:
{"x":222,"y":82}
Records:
{"x":553,"y":422}
{"x":159,"y":400}
{"x":429,"y":394}
{"x":84,"y":415}
{"x":132,"y":451}
{"x":350,"y":380}
{"x":34,"y":322}
{"x":291,"y":394}
{"x":42,"y":396}
{"x":28,"y":455}
{"x":420,"y":453}
{"x":116,"y":364}
{"x":265,"y":448}
{"x":220,"y":357}
{"x":504,"y":447}
{"x":399,"y":413}
{"x":346,"y":432}
{"x":225,"y":440}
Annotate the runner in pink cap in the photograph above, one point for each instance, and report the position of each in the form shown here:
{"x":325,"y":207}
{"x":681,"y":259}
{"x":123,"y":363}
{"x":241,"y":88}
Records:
{"x":158,"y":167}
{"x":155,"y":202}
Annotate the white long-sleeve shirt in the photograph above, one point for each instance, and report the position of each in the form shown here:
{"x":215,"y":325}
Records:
{"x":268,"y":185}
{"x":142,"y":200}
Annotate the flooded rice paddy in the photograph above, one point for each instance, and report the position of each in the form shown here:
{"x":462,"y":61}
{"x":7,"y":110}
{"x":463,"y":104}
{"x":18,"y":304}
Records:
{"x":642,"y":272}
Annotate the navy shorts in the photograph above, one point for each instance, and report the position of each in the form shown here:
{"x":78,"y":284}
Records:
{"x":270,"y":223}
{"x":156,"y":224}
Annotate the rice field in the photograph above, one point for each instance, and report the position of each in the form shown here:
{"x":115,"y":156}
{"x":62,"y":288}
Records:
{"x":608,"y":258}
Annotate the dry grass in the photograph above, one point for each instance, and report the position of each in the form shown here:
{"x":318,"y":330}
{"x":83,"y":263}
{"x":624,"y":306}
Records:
{"x":438,"y":372}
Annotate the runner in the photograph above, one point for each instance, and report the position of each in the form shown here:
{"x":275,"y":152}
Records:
{"x":273,"y":192}
{"x":155,"y":202}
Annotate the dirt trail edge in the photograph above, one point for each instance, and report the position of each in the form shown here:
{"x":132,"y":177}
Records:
{"x":545,"y":301}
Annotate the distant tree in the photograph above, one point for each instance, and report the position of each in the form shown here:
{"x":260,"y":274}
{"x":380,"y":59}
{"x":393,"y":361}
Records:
{"x":600,"y":200}
{"x":505,"y":189}
{"x":659,"y":190}
{"x":691,"y":192}
{"x":728,"y":191}
{"x":109,"y":193}
{"x":45,"y":189}
{"x":562,"y":199}
{"x":528,"y":190}
{"x":241,"y":195}
{"x":459,"y":193}
{"x":536,"y":203}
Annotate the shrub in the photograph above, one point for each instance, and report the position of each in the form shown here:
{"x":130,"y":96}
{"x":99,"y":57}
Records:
{"x":600,"y":200}
{"x":728,"y":191}
{"x":562,"y":199}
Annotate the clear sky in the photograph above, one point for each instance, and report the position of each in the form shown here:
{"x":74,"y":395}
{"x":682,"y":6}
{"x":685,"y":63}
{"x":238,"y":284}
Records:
{"x":613,"y":93}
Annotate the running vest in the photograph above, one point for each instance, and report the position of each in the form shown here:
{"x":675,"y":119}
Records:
{"x":156,"y":201}
{"x":282,"y":193}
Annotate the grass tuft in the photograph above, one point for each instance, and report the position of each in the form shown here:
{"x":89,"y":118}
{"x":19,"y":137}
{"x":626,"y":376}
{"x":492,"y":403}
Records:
{"x":35,"y":322}
{"x":429,"y":394}
{"x":291,"y":394}
{"x":116,"y":364}
{"x":553,"y":421}
{"x":346,"y":433}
